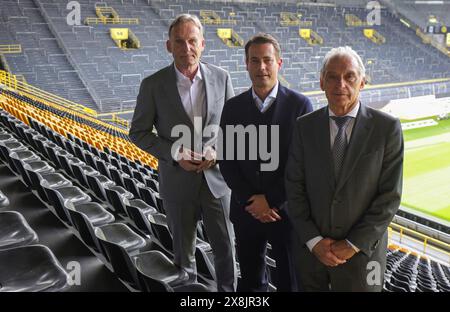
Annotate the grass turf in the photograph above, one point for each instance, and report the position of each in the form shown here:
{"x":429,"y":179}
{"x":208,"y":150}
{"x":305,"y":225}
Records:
{"x":426,"y":185}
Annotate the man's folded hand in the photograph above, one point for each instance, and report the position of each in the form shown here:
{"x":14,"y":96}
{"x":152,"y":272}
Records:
{"x":343,"y":250}
{"x":322,"y":250}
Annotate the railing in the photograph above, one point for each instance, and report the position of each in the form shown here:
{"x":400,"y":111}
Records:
{"x":426,"y":241}
{"x":13,"y":82}
{"x":429,"y":40}
{"x":119,"y":121}
{"x":352,"y":20}
{"x":101,"y":12}
{"x":210,"y":17}
{"x":107,"y":20}
{"x":10,"y":48}
{"x":425,"y":39}
{"x":289,"y":19}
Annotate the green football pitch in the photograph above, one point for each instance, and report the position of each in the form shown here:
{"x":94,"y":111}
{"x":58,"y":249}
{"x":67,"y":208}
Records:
{"x":426,"y":180}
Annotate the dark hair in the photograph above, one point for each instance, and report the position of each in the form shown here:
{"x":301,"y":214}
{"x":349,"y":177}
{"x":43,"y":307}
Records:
{"x":262,"y":38}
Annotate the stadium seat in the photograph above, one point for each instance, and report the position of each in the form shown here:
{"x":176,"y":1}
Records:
{"x":33,"y":168}
{"x":116,"y":196}
{"x":119,"y":242}
{"x":50,"y":152}
{"x":98,"y":183}
{"x":157,"y":273}
{"x":204,"y":259}
{"x":86,"y":217}
{"x":81,"y":171}
{"x":7,"y":147}
{"x":103,"y":167}
{"x":31,"y":268}
{"x":66,"y":160}
{"x":160,"y":228}
{"x":16,"y":160}
{"x":59,"y":197}
{"x":117,"y":175}
{"x":133,"y":185}
{"x":394,"y":288}
{"x":138,"y":210}
{"x":400,"y":283}
{"x":4,"y":202}
{"x":15,"y":231}
{"x":53,"y":180}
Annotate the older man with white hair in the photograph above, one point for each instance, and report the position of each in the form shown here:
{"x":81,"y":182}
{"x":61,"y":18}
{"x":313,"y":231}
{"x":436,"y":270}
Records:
{"x":344,"y":182}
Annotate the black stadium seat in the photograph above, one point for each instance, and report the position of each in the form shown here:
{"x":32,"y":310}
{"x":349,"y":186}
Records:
{"x":31,"y":268}
{"x":15,"y":231}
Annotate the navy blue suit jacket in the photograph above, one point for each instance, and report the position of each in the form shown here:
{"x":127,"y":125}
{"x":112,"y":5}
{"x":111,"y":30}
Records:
{"x":244,"y":177}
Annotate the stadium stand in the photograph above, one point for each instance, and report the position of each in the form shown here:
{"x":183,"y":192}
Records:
{"x":111,"y":204}
{"x":132,"y":256}
{"x":101,"y":188}
{"x":406,"y":272}
{"x":42,"y":61}
{"x":112,"y":75}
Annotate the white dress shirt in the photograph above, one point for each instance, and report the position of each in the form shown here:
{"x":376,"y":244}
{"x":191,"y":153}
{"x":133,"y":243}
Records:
{"x":333,"y":132}
{"x":192,"y":94}
{"x":193,"y":97}
{"x":268,"y":101}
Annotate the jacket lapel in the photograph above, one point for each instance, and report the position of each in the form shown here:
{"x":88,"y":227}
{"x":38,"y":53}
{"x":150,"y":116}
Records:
{"x":361,"y":131}
{"x":324,"y":156}
{"x":209,"y":81}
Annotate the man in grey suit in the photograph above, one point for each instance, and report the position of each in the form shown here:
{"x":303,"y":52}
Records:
{"x":189,"y":94}
{"x":343,"y":183}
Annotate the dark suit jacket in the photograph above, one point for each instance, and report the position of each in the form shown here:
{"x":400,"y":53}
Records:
{"x":244,"y":177}
{"x":159,"y":105}
{"x":363,"y":202}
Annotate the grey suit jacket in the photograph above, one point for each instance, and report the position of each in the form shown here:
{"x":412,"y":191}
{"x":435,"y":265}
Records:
{"x":159,"y":105}
{"x":360,"y":206}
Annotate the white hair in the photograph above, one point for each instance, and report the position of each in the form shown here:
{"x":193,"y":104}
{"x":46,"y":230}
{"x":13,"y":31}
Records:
{"x":184,"y":18}
{"x":343,"y":52}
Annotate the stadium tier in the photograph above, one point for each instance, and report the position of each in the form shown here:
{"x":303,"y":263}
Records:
{"x":99,"y":193}
{"x":82,"y":62}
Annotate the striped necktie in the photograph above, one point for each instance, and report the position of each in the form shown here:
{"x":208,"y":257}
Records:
{"x":340,"y":143}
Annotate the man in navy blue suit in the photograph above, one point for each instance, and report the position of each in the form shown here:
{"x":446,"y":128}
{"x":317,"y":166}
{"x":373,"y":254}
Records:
{"x":267,"y":112}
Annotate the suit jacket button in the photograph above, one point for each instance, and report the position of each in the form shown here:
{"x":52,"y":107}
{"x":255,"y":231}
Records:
{"x":375,"y":245}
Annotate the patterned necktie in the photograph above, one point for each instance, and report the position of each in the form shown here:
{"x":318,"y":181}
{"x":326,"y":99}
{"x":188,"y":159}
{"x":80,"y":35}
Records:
{"x":340,"y":143}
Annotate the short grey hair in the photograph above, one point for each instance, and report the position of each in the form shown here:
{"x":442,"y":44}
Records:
{"x":342,"y":52}
{"x":184,"y":18}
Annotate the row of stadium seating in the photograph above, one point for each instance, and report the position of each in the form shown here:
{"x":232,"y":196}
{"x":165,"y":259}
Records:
{"x":65,"y":122}
{"x":408,"y":272}
{"x":139,"y":258}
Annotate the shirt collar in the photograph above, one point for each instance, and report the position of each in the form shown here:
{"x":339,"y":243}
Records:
{"x":353,"y":113}
{"x":183,"y":78}
{"x":272,"y":94}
